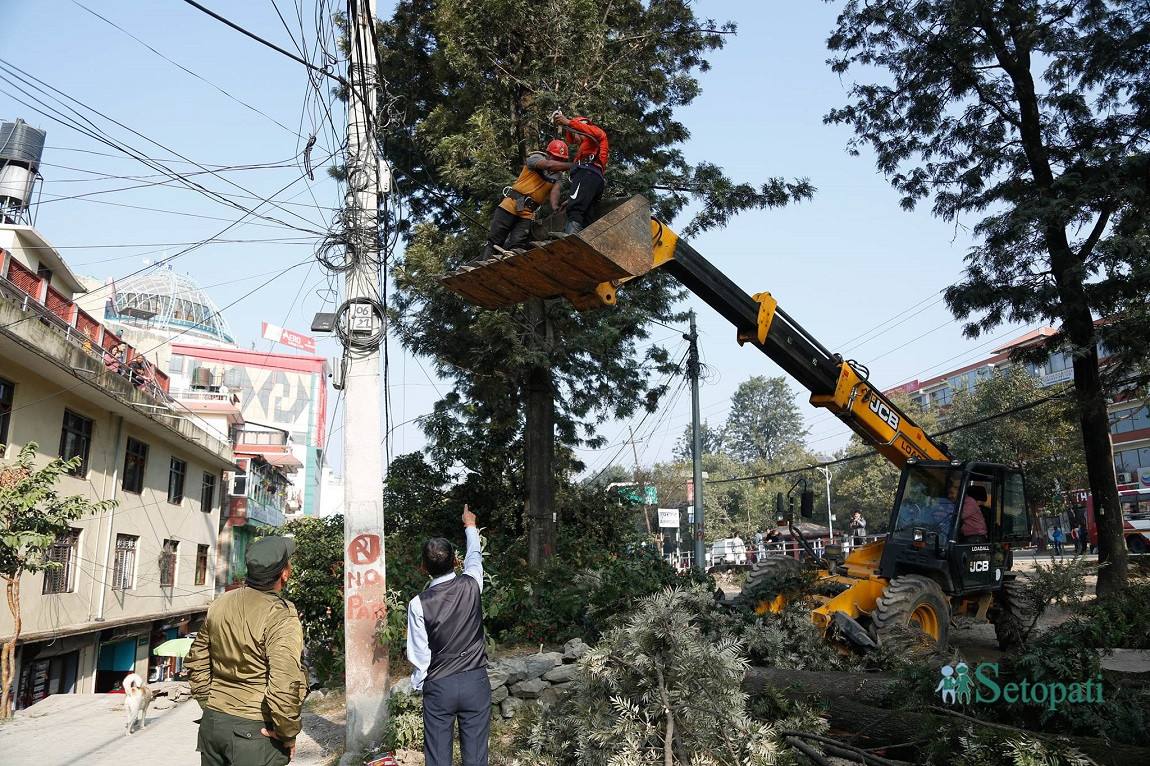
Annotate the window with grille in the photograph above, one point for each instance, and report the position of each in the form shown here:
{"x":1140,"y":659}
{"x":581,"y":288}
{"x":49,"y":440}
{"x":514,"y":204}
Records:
{"x":124,"y":571}
{"x":75,"y":440}
{"x":176,"y":474}
{"x":207,"y":492}
{"x":201,"y":564}
{"x":61,"y":579}
{"x":135,"y":461}
{"x":168,"y":563}
{"x":7,"y":391}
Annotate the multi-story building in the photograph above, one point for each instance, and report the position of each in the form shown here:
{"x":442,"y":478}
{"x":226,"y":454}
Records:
{"x":169,"y":311}
{"x":1129,"y":419}
{"x":256,"y":492}
{"x":284,"y":392}
{"x":137,"y":575}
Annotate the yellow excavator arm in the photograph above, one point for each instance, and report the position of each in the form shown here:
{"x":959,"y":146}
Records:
{"x":624,"y":244}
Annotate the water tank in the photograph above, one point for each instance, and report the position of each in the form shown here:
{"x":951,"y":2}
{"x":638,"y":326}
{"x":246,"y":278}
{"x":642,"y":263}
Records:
{"x":201,"y":377}
{"x":20,"y":142}
{"x":21,"y":147}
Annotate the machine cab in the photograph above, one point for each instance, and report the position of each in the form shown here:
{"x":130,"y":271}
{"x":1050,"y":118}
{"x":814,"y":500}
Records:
{"x":956,"y":523}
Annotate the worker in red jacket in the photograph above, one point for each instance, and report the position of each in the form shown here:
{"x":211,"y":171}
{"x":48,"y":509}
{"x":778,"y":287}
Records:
{"x":587,"y":174}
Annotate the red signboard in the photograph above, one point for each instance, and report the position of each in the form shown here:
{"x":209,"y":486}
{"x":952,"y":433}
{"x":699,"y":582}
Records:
{"x":288,"y":338}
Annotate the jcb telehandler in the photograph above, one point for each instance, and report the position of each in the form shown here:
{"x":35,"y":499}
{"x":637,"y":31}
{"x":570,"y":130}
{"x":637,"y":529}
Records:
{"x":925,"y":570}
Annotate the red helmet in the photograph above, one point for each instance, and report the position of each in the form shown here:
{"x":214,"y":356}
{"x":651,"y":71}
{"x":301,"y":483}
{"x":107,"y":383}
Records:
{"x":557,"y":148}
{"x":573,"y":137}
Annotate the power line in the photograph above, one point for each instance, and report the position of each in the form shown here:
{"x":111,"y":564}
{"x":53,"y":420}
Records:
{"x":242,"y":103}
{"x":92,"y":131}
{"x":868,"y":455}
{"x":273,"y":46}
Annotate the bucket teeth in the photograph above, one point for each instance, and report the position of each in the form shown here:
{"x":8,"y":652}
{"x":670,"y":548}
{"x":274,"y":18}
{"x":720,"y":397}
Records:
{"x":616,"y":246}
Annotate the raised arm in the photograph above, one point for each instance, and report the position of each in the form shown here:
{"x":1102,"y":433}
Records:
{"x":473,"y":561}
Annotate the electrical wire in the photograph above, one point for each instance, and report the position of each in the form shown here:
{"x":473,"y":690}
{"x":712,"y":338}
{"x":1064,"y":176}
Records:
{"x":867,"y":455}
{"x":241,"y":102}
{"x":9,"y":71}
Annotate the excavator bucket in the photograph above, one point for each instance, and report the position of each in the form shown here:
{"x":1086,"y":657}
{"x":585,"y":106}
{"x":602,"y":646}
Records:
{"x":616,"y":246}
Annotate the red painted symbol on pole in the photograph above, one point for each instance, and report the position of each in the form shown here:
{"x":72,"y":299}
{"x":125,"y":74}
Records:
{"x":364,"y":550}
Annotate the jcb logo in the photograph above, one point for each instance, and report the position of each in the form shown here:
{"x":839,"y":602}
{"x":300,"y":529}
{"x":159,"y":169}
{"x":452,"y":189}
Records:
{"x":979,"y":566}
{"x":884,"y":412}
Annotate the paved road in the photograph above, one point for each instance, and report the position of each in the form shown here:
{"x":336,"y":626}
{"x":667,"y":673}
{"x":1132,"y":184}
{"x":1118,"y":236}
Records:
{"x":88,"y":730}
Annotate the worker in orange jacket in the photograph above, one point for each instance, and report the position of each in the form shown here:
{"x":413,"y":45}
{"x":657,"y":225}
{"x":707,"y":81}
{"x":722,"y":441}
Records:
{"x":587,"y":174}
{"x":538,"y":183}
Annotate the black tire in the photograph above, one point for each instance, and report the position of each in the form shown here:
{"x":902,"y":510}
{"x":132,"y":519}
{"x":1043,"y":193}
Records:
{"x":771,"y":567}
{"x":912,"y":616}
{"x":1011,"y":615}
{"x":1136,"y":543}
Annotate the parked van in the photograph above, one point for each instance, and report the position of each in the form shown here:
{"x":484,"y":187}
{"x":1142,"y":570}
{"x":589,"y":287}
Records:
{"x":730,"y":550}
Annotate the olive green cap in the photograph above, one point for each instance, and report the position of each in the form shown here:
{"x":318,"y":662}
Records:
{"x":266,"y":559}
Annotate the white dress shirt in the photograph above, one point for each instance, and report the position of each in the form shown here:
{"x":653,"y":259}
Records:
{"x":418,"y":650}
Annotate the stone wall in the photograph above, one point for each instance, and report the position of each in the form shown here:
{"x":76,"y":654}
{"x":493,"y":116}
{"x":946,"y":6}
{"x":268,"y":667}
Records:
{"x":517,"y":681}
{"x":546,"y":676}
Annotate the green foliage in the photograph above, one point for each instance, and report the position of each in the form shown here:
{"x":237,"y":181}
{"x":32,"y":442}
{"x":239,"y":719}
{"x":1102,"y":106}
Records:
{"x":33,"y":514}
{"x":788,"y":639}
{"x":1043,"y":438}
{"x":765,"y":423}
{"x":416,"y":501}
{"x":1062,"y":582}
{"x":1070,"y":653}
{"x":316,"y":589}
{"x":480,"y":79}
{"x":712,"y":440}
{"x":984,"y":747}
{"x":578,"y":596}
{"x":404,"y":722}
{"x":657,"y":688}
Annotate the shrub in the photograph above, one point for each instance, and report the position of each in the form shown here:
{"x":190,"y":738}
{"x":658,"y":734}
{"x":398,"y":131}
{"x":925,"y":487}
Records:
{"x":657,"y":683}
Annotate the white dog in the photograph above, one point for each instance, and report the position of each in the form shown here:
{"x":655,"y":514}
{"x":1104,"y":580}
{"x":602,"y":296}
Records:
{"x":137,"y":697}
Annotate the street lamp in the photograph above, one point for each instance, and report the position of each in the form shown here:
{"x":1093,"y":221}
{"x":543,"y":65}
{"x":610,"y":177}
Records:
{"x":826,"y":472}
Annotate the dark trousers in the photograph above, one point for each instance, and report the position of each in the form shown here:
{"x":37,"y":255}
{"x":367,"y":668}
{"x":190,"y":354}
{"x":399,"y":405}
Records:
{"x":586,"y":189}
{"x":227,"y":740}
{"x":508,"y":231}
{"x":464,"y":696}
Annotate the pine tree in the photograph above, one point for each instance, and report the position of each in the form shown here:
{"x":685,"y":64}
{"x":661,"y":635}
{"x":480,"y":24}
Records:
{"x":764,"y":423}
{"x":472,"y":85}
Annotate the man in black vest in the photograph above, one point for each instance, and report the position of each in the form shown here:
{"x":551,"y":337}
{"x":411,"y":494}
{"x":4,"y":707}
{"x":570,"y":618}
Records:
{"x":445,"y":646}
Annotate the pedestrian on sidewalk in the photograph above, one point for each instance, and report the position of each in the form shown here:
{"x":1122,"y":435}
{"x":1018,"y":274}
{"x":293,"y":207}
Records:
{"x":445,"y":645}
{"x":245,"y":666}
{"x":1058,"y":538}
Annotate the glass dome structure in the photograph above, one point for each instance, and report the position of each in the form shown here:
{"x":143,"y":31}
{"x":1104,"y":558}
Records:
{"x":163,"y":299}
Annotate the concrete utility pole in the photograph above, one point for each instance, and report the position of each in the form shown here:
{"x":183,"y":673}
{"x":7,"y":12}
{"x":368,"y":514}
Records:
{"x":692,"y":337}
{"x":361,"y":330}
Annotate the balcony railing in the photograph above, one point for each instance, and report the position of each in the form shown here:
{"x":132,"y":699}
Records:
{"x":56,"y":311}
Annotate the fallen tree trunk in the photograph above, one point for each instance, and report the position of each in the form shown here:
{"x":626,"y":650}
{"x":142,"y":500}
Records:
{"x":869,"y":688}
{"x":853,"y":704}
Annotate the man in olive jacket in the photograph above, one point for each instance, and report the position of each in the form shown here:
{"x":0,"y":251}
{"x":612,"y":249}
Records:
{"x":246,"y":669}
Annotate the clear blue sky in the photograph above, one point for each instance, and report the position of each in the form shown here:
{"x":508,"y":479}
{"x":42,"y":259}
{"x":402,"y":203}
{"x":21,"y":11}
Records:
{"x":861,"y":274}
